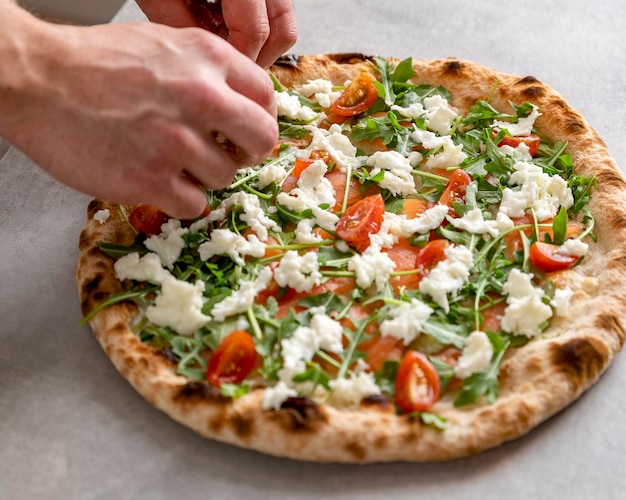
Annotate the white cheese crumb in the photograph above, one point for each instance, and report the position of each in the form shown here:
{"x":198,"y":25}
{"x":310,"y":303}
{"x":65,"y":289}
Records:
{"x":169,"y":244}
{"x":576,"y":248}
{"x":242,"y":299}
{"x":273,"y":172}
{"x":298,"y":272}
{"x":398,"y":172}
{"x":289,"y":105}
{"x":341,"y":150}
{"x":274,"y":397}
{"x":451,"y":155}
{"x":102,"y":215}
{"x":179,"y":306}
{"x":543,"y":193}
{"x":523,"y":127}
{"x":525,"y":311}
{"x":145,"y":268}
{"x":448,"y":276}
{"x":321,"y":90}
{"x":226,"y":242}
{"x":348,"y":392}
{"x":476,"y":355}
{"x":372,"y":266}
{"x":414,"y":111}
{"x":439,"y":116}
{"x":474,"y":222}
{"x":405,"y":322}
{"x":322,"y":333}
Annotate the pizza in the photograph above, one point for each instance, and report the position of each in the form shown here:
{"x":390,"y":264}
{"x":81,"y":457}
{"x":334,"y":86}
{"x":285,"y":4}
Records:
{"x":430,"y":264}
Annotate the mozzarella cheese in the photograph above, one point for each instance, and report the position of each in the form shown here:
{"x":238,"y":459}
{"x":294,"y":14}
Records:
{"x":448,"y":276}
{"x":525,"y":311}
{"x":405,"y":322}
{"x":242,"y":299}
{"x":298,"y":272}
{"x":476,"y":355}
{"x":179,"y":306}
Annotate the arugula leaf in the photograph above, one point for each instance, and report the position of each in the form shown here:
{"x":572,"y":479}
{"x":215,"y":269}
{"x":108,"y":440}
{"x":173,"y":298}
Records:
{"x":484,"y":383}
{"x":234,"y":390}
{"x":559,"y":227}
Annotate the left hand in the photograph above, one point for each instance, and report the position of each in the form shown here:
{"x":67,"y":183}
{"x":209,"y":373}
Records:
{"x":263,"y":30}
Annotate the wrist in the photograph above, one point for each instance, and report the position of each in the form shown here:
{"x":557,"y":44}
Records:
{"x":24,"y":49}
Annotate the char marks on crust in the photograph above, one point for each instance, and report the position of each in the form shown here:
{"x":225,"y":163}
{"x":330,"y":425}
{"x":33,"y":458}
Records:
{"x":612,"y":323}
{"x":356,"y":450}
{"x":243,"y":425}
{"x":453,"y":68}
{"x":581,"y":360}
{"x":194,"y":391}
{"x":299,"y":414}
{"x":378,"y":402}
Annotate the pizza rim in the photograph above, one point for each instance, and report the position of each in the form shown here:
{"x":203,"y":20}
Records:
{"x":589,"y":350}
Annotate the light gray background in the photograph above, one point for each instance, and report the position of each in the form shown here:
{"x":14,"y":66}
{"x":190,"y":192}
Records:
{"x":72,"y":428}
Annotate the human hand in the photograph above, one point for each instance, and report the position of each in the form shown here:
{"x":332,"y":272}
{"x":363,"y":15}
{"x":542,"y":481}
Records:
{"x":261,"y":29}
{"x":130,"y":112}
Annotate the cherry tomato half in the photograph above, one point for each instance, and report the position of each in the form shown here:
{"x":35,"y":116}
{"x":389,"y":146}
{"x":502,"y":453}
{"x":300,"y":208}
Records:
{"x":361,"y":219}
{"x":546,"y":257}
{"x":147,"y":219}
{"x":433,"y":253}
{"x":417,"y":383}
{"x":233,"y":359}
{"x":359,"y":96}
{"x":455,"y":189}
{"x":532,"y":141}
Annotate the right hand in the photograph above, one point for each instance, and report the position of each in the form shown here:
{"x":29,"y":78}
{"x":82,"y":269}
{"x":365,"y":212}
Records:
{"x":130,"y":112}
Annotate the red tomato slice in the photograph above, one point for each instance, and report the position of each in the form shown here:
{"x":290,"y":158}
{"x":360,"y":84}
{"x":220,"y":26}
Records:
{"x":546,"y":257}
{"x":301,"y":164}
{"x":455,"y":189}
{"x":233,"y":359}
{"x":359,"y":96}
{"x":532,"y":141}
{"x":355,"y":193}
{"x":417,"y":383}
{"x":431,"y":254}
{"x":147,"y":219}
{"x":361,"y":219}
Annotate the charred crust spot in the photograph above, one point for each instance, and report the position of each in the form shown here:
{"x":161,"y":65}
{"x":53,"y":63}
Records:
{"x":92,"y":284}
{"x":381,"y":442}
{"x":243,"y":426}
{"x":580,"y":360}
{"x":527,"y":80}
{"x":534,"y":92}
{"x":574,"y":126}
{"x":356,"y":450}
{"x":611,"y":323}
{"x":200,"y":391}
{"x":299,"y":414}
{"x":453,"y":67}
{"x":288,"y":61}
{"x":378,"y":402}
{"x":349,"y":58}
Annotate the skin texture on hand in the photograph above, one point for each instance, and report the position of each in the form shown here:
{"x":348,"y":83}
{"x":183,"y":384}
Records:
{"x":263,"y":30}
{"x":131,"y":112}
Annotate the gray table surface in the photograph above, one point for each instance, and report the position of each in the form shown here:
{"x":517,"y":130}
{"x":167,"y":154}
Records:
{"x":72,"y":428}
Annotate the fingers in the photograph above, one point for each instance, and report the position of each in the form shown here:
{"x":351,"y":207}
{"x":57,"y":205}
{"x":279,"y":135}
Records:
{"x":283,"y":32}
{"x":261,"y":30}
{"x":172,"y":13}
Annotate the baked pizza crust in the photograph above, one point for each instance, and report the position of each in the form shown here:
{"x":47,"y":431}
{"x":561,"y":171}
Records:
{"x":536,"y":381}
